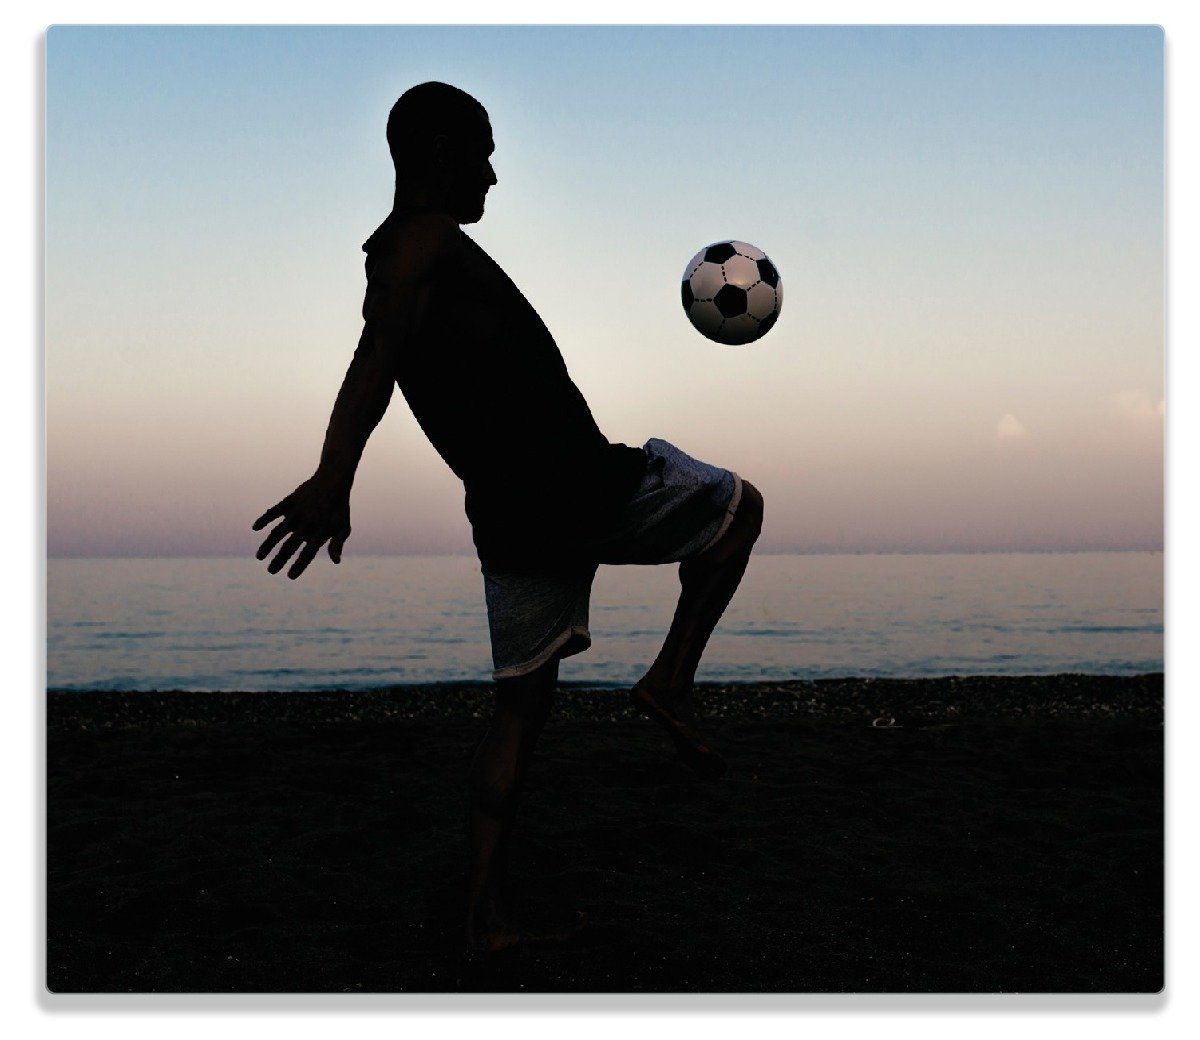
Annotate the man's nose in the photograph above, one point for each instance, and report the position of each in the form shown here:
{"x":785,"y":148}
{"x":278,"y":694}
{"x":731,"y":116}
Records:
{"x":491,"y":175}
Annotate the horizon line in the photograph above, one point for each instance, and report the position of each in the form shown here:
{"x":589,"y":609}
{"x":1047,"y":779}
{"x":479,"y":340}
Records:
{"x":427,"y":554}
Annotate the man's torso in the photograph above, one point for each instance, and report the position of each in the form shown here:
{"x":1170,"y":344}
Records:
{"x":486,"y":382}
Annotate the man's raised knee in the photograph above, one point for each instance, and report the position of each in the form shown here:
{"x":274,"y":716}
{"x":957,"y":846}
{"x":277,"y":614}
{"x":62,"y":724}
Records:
{"x":750,"y":508}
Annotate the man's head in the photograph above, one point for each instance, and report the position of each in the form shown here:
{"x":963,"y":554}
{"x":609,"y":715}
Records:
{"x":441,"y":142}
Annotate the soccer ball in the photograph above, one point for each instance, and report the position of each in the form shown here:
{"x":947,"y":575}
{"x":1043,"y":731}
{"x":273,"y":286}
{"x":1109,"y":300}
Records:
{"x":732,"y":292}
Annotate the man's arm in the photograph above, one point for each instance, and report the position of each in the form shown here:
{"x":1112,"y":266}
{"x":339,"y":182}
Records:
{"x":360,"y":405}
{"x":318,"y":511}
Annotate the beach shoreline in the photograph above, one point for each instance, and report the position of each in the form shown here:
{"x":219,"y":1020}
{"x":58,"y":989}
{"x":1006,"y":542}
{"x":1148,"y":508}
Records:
{"x":1066,"y":695}
{"x":967,"y":834}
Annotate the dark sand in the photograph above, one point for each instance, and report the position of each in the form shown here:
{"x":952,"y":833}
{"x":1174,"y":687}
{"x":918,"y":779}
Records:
{"x":1006,"y":836}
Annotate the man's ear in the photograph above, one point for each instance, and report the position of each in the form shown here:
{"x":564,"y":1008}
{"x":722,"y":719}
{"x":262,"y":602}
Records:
{"x":439,"y":153}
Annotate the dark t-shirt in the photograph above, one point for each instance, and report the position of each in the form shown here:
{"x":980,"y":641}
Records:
{"x":486,"y":382}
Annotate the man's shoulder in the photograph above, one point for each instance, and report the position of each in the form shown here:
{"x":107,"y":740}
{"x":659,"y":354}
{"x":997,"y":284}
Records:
{"x":412,"y":246}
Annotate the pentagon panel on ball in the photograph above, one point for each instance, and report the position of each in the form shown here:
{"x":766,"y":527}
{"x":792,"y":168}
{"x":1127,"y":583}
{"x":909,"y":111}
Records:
{"x":731,"y":292}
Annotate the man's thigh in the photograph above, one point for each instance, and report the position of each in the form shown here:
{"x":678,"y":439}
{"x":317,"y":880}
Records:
{"x":535,"y":618}
{"x":682,"y":507}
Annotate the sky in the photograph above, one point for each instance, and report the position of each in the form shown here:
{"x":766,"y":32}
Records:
{"x":968,"y":223}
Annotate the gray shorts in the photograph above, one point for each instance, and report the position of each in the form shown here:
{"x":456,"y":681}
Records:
{"x":682,"y":507}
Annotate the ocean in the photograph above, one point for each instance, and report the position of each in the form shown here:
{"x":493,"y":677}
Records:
{"x":225,"y":624}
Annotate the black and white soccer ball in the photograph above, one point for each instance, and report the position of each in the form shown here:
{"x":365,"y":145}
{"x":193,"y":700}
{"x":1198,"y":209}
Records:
{"x":732,"y":292}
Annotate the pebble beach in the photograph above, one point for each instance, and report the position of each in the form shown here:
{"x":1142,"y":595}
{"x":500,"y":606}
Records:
{"x":963,"y":834}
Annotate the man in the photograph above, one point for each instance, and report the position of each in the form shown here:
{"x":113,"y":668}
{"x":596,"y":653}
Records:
{"x":547,"y":495}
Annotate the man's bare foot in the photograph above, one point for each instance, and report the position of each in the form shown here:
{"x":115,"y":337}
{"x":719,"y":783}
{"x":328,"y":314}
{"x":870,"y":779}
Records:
{"x":674,"y":711}
{"x":496,"y":933}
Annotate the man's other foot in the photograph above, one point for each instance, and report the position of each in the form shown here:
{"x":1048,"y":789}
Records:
{"x":674,"y":714}
{"x":497,"y":938}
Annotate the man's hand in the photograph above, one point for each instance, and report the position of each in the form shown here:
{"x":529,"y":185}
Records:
{"x":318,"y":511}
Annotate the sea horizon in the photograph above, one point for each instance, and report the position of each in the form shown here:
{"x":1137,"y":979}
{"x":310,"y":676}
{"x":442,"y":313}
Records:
{"x":249,"y":554}
{"x":225,"y":624}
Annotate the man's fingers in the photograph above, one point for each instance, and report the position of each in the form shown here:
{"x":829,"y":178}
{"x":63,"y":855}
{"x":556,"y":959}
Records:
{"x":276,"y":510}
{"x":271,"y":541}
{"x":305,"y":558}
{"x":336,"y":544}
{"x":285,"y":553}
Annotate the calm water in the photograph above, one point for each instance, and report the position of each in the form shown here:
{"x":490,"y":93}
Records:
{"x":228,"y":625}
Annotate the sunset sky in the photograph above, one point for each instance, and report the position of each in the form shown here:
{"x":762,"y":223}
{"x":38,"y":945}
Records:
{"x":968,"y":223}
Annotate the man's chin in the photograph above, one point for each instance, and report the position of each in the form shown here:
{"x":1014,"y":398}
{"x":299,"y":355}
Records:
{"x":471,"y":215}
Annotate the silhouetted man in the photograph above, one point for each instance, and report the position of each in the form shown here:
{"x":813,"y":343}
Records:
{"x":547,"y":495}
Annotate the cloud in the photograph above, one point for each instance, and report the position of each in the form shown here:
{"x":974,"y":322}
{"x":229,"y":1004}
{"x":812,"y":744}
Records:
{"x":1010,"y":427}
{"x":1137,"y":404}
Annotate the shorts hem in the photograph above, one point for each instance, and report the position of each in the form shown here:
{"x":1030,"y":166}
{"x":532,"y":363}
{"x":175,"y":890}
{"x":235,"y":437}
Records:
{"x":514,"y":671}
{"x":730,"y":509}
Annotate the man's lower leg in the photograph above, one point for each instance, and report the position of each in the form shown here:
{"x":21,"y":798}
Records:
{"x":707,"y":584}
{"x":497,"y":777}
